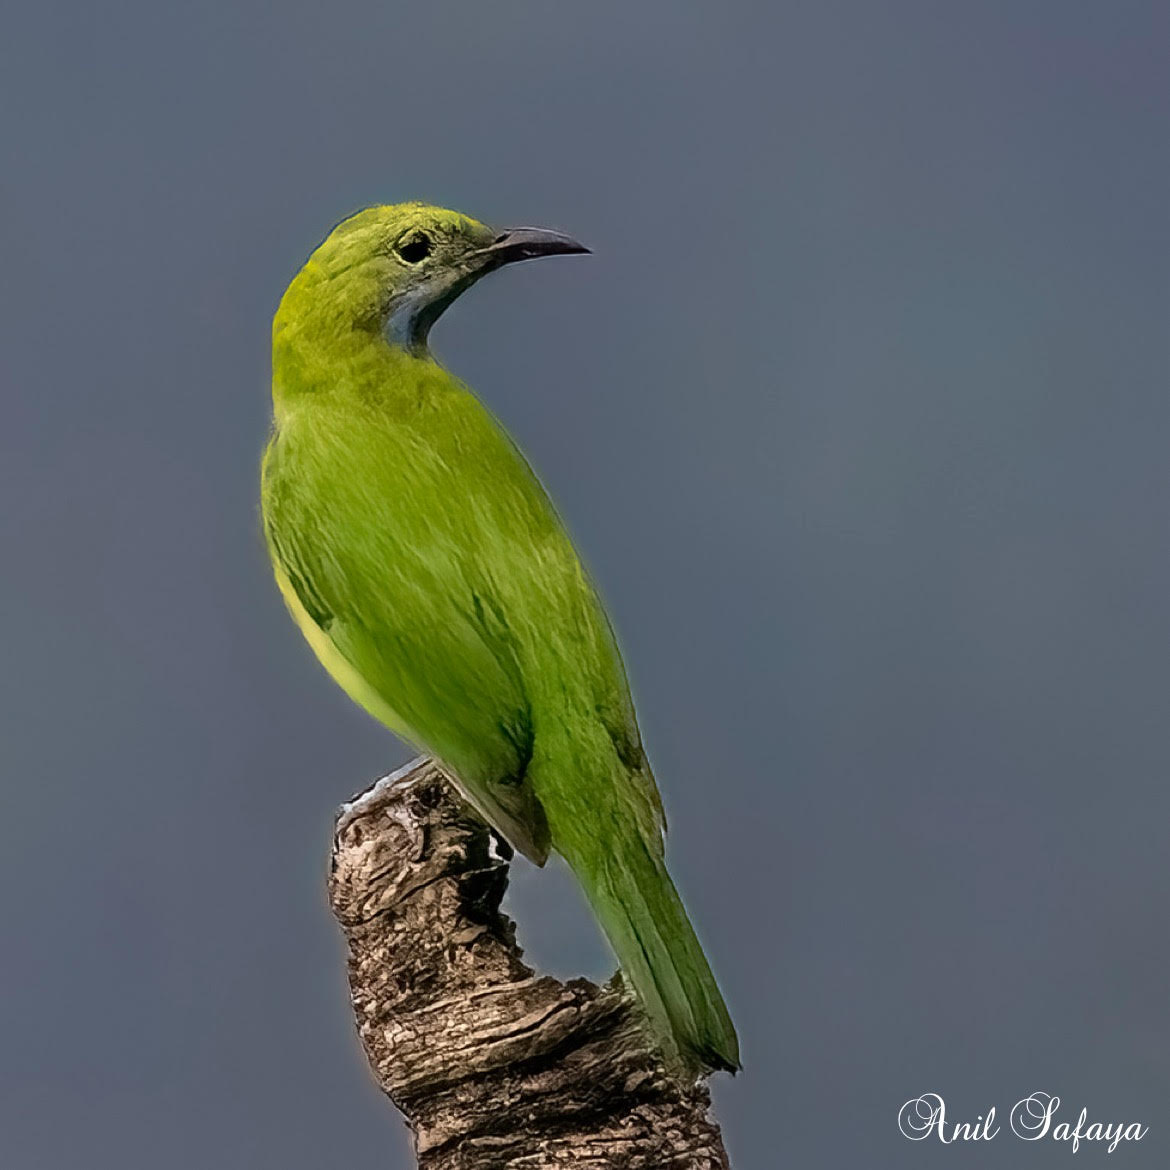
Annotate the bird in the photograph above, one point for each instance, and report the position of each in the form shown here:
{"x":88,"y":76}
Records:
{"x":431,"y":574}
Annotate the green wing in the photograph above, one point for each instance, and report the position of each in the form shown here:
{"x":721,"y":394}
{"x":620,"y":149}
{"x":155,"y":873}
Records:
{"x":433,"y":578}
{"x":403,"y":613}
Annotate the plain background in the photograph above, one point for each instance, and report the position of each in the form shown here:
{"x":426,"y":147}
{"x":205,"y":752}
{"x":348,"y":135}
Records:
{"x":859,"y":414}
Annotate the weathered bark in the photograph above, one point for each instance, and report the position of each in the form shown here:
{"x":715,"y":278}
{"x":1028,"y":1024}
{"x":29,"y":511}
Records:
{"x":493,"y":1065}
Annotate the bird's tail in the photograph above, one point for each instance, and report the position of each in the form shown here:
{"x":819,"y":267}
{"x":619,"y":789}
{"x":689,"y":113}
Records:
{"x":626,"y":882}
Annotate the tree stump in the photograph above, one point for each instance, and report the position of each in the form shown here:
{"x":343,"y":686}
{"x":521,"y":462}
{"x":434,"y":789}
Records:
{"x":492,"y":1065}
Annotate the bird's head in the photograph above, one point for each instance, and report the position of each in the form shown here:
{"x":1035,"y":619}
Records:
{"x":395,"y":268}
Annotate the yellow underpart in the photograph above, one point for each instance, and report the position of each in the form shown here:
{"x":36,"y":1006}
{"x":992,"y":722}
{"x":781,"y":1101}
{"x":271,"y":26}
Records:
{"x":339,"y":667}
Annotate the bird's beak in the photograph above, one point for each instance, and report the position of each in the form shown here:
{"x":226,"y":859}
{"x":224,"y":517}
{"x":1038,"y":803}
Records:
{"x":526,"y":243}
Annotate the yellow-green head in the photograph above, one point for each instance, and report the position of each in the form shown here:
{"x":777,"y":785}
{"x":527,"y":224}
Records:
{"x":393,"y":269}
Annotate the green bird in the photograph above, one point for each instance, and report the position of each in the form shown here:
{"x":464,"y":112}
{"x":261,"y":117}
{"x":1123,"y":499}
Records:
{"x":427,"y":568}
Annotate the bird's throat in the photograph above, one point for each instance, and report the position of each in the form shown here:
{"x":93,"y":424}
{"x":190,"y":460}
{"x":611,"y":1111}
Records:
{"x":409,"y":323}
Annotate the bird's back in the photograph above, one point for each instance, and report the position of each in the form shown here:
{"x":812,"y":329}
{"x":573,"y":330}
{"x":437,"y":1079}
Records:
{"x":427,"y":557}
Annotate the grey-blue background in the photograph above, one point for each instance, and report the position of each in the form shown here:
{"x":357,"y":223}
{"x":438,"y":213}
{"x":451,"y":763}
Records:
{"x":859,"y":414}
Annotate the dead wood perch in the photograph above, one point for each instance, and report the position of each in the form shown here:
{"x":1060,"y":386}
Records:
{"x":492,"y":1065}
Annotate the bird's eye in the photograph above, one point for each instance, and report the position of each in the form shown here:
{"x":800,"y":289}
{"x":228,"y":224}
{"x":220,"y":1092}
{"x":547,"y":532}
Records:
{"x":416,"y":247}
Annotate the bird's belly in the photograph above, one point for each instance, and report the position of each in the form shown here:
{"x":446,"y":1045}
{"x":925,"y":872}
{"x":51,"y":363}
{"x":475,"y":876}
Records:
{"x":339,"y":667}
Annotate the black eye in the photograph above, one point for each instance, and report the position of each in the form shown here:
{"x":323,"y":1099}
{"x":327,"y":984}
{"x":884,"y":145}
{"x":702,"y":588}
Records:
{"x":416,"y":247}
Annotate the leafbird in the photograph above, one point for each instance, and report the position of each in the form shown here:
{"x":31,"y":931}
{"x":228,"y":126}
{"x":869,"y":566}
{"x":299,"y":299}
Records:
{"x":427,"y":568}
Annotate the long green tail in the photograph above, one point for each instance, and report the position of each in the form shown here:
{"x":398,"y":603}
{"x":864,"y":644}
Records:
{"x":643,"y":917}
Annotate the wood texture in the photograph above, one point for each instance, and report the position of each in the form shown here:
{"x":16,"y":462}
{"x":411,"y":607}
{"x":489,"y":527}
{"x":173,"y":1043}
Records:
{"x":493,"y":1065}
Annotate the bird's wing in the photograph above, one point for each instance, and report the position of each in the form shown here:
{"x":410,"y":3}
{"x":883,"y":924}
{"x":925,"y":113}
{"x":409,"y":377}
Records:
{"x":407,"y":630}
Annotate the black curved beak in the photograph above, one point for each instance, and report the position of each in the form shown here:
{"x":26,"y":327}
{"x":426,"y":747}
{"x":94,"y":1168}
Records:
{"x":527,"y":243}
